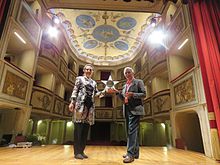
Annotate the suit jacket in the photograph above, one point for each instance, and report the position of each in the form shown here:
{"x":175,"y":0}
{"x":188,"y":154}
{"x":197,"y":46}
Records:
{"x":135,"y":103}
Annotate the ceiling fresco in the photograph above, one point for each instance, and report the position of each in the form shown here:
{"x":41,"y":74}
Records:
{"x":104,"y":37}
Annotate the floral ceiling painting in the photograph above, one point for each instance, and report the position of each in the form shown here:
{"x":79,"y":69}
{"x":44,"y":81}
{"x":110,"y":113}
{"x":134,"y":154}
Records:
{"x":104,"y":37}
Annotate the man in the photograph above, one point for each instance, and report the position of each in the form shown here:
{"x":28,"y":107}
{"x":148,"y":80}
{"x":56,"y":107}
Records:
{"x":82,"y":105}
{"x":132,"y":94}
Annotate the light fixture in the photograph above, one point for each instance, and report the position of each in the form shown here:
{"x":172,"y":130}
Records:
{"x":155,"y":20}
{"x":69,"y":123}
{"x":55,"y":18}
{"x":20,"y":38}
{"x":184,"y":42}
{"x":163,"y":125}
{"x":39,"y":122}
{"x":52,"y":31}
{"x":157,"y":37}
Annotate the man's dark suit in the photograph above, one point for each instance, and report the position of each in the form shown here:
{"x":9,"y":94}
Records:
{"x":132,"y":112}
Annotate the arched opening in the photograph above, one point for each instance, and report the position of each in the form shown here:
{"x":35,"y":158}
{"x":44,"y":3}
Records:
{"x":188,"y":132}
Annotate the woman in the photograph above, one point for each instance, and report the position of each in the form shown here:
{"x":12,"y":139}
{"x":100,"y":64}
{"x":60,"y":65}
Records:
{"x":82,"y":105}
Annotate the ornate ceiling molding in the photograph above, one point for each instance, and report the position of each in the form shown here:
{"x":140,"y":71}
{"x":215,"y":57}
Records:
{"x":153,"y":6}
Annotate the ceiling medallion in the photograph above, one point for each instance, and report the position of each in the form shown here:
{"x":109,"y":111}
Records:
{"x":126,"y":23}
{"x":104,"y":36}
{"x":85,"y":21}
{"x":105,"y":33}
{"x":90,"y":44}
{"x":121,"y":45}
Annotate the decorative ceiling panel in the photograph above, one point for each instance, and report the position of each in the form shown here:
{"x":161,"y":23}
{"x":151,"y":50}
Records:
{"x":103,"y":37}
{"x":155,"y":6}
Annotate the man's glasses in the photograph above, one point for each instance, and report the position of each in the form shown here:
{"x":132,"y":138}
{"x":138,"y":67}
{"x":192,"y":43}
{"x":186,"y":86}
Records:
{"x":89,"y":70}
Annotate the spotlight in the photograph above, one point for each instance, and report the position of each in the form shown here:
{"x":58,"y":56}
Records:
{"x":153,"y":22}
{"x":52,"y":31}
{"x":55,"y":19}
{"x":157,"y":36}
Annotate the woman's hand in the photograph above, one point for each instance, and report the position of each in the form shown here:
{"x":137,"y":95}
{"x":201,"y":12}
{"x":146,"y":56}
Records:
{"x":72,"y":106}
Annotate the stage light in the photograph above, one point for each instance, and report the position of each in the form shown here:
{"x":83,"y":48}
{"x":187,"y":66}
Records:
{"x":157,"y":36}
{"x":153,"y":22}
{"x":55,"y":18}
{"x":52,"y":31}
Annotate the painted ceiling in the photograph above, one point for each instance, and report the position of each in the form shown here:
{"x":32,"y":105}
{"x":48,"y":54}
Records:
{"x":104,"y":37}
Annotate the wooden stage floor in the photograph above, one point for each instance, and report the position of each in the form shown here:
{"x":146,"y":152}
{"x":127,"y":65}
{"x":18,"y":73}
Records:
{"x":99,"y":155}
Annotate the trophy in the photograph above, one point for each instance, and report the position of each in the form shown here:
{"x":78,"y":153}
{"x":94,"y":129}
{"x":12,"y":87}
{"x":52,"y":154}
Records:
{"x":109,"y":85}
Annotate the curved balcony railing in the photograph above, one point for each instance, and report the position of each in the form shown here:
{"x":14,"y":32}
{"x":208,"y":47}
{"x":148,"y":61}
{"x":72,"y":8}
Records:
{"x":42,"y":99}
{"x":161,"y":102}
{"x":104,"y":113}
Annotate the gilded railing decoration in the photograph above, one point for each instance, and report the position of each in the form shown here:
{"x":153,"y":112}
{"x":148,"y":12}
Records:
{"x":63,"y":68}
{"x":48,"y":51}
{"x":177,"y":26}
{"x":184,"y":92}
{"x":71,"y":77}
{"x":157,"y":57}
{"x":27,"y":20}
{"x":15,"y":85}
{"x":103,"y":114}
{"x":161,"y":103}
{"x":58,"y":107}
{"x":66,"y":110}
{"x":41,"y":100}
{"x":147,"y":108}
{"x":119,"y":112}
{"x":145,"y":70}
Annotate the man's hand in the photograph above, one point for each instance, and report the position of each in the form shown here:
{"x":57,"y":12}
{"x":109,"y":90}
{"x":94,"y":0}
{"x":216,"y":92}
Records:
{"x":112,"y":90}
{"x":129,"y":94}
{"x":72,"y":106}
